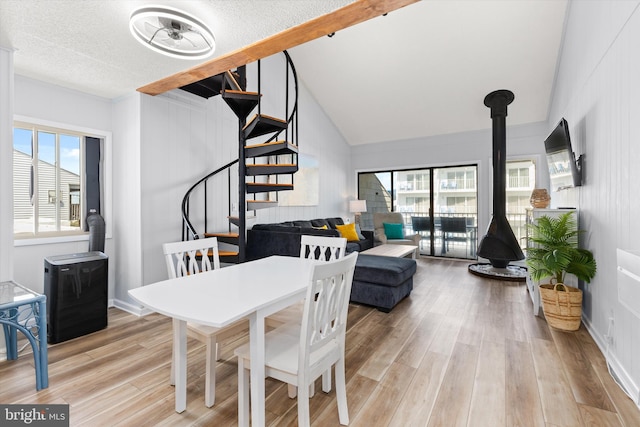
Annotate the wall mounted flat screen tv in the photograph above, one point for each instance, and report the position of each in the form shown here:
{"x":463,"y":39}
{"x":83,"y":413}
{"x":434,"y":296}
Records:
{"x":564,"y":171}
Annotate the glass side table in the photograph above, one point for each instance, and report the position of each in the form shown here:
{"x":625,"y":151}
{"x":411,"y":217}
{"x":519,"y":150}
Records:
{"x":24,"y":310}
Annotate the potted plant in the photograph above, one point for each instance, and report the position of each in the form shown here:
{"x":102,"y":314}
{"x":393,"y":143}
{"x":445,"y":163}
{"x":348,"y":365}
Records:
{"x":553,"y":252}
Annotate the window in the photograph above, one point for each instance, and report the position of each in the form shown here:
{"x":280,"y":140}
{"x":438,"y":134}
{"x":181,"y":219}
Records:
{"x":461,"y":204}
{"x":417,"y":204}
{"x":426,"y":194}
{"x":520,"y":182}
{"x":50,"y":170}
{"x":519,"y":177}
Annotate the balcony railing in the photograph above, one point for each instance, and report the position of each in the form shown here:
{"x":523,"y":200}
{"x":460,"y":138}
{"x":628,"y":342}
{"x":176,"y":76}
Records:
{"x":518,"y":182}
{"x":459,"y":244}
{"x":458,"y":184}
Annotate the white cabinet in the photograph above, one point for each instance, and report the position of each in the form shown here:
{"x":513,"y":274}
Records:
{"x":532,"y":286}
{"x":629,"y":280}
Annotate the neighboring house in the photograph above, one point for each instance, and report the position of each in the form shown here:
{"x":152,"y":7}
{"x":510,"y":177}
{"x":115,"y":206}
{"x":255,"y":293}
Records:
{"x":68,"y":201}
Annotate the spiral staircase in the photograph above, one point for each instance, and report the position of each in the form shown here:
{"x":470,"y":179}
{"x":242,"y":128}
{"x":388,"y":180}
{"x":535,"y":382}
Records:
{"x":267,"y":160}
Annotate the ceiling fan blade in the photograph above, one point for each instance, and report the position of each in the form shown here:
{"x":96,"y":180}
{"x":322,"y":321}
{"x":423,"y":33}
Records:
{"x":148,"y":26}
{"x":187,"y":36}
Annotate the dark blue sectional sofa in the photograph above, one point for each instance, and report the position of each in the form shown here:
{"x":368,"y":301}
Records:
{"x":283,"y":238}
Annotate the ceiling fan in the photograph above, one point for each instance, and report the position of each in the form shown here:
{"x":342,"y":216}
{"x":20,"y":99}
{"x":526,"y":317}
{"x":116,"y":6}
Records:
{"x":172,"y":32}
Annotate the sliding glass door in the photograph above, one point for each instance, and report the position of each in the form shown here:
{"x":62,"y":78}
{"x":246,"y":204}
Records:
{"x":456,"y":211}
{"x":440,"y":204}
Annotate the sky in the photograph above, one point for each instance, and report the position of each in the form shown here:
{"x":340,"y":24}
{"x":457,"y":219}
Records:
{"x":69,"y":148}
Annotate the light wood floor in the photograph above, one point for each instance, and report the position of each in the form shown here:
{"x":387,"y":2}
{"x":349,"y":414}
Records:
{"x":461,"y":351}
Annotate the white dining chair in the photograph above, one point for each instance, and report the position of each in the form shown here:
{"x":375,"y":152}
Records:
{"x":193,"y":257}
{"x":322,"y":247}
{"x":320,"y":345}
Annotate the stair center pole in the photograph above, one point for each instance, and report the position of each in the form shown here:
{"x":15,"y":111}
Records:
{"x":242,"y":173}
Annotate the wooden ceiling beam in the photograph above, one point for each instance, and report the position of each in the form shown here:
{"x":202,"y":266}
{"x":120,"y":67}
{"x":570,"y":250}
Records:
{"x":347,"y":16}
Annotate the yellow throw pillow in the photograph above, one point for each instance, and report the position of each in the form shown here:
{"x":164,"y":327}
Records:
{"x":348,"y":231}
{"x":324,"y":227}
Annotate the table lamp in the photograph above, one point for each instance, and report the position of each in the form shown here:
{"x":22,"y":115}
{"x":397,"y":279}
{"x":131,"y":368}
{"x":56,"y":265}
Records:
{"x":357,"y":207}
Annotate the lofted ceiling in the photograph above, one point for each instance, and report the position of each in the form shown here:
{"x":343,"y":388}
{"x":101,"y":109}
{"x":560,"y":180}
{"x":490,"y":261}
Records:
{"x":420,"y":71}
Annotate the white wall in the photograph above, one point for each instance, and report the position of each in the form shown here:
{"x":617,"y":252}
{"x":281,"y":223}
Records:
{"x":598,"y":91}
{"x":318,"y":137}
{"x":46,"y":101}
{"x":456,"y":149}
{"x":321,"y":139}
{"x":183,"y":139}
{"x":127,"y":235}
{"x":6,"y":172}
{"x":7,"y":84}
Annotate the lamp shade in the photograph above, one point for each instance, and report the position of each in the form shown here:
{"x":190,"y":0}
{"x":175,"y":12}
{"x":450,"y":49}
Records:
{"x":357,"y":206}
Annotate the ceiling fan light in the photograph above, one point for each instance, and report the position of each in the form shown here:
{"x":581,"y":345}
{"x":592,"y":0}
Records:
{"x":186,"y":37}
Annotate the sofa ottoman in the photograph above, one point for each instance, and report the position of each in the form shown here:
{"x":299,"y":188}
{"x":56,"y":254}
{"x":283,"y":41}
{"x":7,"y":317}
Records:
{"x":382,"y":281}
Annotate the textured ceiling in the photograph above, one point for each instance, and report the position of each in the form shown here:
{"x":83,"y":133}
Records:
{"x":86,"y":44}
{"x":422,"y":70}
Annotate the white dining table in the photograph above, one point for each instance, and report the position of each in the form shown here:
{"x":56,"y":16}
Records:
{"x":220,"y":297}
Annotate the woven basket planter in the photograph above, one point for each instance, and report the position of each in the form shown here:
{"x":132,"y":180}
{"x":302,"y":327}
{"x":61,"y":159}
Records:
{"x":562,"y":306}
{"x":540,"y":198}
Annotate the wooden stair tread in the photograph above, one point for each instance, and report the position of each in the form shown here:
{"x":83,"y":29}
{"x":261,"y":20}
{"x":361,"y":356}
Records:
{"x":266,"y":144}
{"x":230,"y":234}
{"x":237,"y":218}
{"x":209,"y":253}
{"x":269,"y":184}
{"x":213,"y":86}
{"x":264,"y":116}
{"x":272,"y":165}
{"x":271,"y":169}
{"x":227,"y":253}
{"x":261,"y":204}
{"x":262,"y":124}
{"x":241,"y":92}
{"x":273,"y":148}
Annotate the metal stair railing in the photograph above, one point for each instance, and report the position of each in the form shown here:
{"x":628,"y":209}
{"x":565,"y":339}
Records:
{"x":291,"y":130}
{"x":188,"y":230}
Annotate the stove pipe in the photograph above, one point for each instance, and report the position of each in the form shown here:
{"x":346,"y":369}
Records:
{"x":499,"y":245}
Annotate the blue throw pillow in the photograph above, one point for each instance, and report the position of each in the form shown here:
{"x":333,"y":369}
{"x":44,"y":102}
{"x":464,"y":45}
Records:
{"x":393,"y":231}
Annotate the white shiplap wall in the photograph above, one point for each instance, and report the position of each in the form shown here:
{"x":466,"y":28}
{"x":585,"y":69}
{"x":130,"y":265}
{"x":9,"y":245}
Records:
{"x":598,"y":91}
{"x":127,"y":236}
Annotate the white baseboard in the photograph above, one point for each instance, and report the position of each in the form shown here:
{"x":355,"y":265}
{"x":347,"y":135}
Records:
{"x":129,"y":308}
{"x":620,"y":374}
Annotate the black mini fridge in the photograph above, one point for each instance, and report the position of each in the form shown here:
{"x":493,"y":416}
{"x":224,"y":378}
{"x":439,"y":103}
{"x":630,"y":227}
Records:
{"x":76,"y":289}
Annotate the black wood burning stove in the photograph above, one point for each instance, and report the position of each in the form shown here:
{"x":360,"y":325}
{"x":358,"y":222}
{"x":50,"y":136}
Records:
{"x":499,"y":245}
